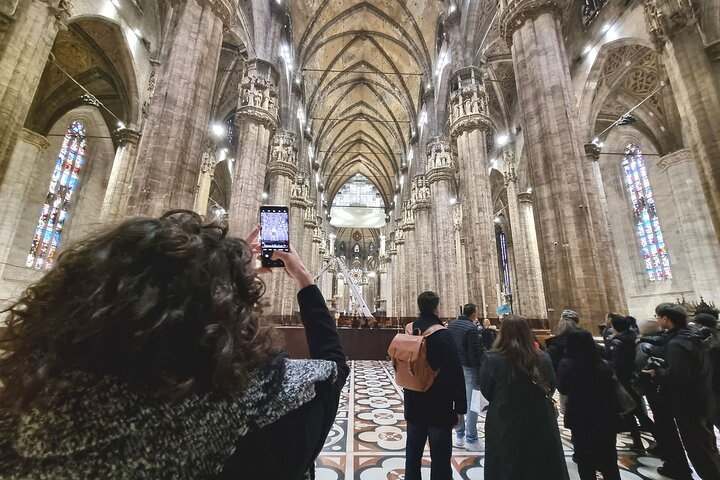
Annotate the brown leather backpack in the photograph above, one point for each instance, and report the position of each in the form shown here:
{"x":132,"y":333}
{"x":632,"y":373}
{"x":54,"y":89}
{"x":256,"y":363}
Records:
{"x":408,"y":353}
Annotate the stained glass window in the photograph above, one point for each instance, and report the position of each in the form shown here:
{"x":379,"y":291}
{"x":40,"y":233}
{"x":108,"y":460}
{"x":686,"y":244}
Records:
{"x":502,"y":244}
{"x":54,"y":213}
{"x":647,"y":223}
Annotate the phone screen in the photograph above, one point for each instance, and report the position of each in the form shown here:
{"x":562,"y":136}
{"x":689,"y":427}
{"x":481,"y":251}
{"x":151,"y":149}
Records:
{"x":274,"y":233}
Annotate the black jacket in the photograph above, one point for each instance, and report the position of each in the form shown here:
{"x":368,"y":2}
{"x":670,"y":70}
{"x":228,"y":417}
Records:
{"x":686,"y":379}
{"x":488,"y":337}
{"x":622,"y":355}
{"x":555,"y":348}
{"x":445,"y":399}
{"x":303,"y":431}
{"x":468,"y":342}
{"x":591,"y":403}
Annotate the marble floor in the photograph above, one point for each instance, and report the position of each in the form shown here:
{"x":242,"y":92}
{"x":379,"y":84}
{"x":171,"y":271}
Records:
{"x":367,"y":441}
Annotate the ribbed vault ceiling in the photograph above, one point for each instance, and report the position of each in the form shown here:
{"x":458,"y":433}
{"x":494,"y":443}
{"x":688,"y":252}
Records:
{"x":363,"y":67}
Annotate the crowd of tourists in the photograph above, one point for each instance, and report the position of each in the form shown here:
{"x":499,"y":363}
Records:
{"x":141,"y":355}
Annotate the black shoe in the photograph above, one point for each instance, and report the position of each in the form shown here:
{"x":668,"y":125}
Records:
{"x":654,"y":450}
{"x":666,"y":472}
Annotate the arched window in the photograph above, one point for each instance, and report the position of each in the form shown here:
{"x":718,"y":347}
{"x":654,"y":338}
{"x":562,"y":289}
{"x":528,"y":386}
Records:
{"x":647,"y":223}
{"x":63,"y":184}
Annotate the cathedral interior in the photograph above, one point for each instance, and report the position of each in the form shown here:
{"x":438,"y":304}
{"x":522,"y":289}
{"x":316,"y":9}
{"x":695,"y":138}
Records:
{"x":528,"y":156}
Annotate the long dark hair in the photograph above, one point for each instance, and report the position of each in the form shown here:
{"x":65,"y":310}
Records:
{"x":581,"y":348}
{"x":515,"y":340}
{"x":166,"y":303}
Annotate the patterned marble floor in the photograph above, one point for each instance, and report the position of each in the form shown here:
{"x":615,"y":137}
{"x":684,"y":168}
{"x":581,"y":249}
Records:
{"x":367,"y":441}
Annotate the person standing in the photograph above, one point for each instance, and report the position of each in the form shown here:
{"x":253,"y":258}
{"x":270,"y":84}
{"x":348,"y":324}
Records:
{"x":555,"y":346}
{"x":590,"y":411}
{"x":685,"y":383}
{"x":522,"y":439}
{"x":708,"y":324}
{"x":431,"y":415}
{"x":470,"y":347}
{"x":622,"y":356}
{"x":488,"y":333}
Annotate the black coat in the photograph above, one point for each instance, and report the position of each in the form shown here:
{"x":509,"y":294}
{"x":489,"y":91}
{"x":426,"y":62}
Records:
{"x":622,"y":355}
{"x":591,"y":403}
{"x":445,"y":399}
{"x":302,"y":432}
{"x":468,"y":341}
{"x":555,"y":348}
{"x":522,"y":439}
{"x":686,"y":380}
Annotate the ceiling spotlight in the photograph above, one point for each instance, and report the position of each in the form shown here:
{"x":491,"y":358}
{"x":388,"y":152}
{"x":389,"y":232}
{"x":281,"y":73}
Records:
{"x":120,"y":124}
{"x":453,"y":201}
{"x":587,"y":50}
{"x":605,"y":28}
{"x":264,"y":195}
{"x":502,"y":140}
{"x":137,"y":32}
{"x":452,"y":8}
{"x":529,"y":190}
{"x":218,"y":129}
{"x":497,"y":220}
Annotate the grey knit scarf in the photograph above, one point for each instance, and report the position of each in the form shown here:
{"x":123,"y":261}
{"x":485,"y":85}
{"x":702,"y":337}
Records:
{"x":91,"y":428}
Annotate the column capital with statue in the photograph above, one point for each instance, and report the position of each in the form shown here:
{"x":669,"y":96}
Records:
{"x":468,"y":109}
{"x":441,"y":163}
{"x":259,"y":99}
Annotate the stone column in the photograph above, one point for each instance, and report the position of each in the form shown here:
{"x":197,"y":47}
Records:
{"x":410,"y":279}
{"x":172,"y":143}
{"x":528,"y":292}
{"x":568,"y":245}
{"x":309,"y":224}
{"x":256,"y":122}
{"x":703,"y":251}
{"x":440,"y":174}
{"x":401,"y":293}
{"x":118,"y":190}
{"x":28,"y":149}
{"x":24,"y":53}
{"x":469,"y":124}
{"x":384,"y":278}
{"x":597,"y":200}
{"x":391,"y":285}
{"x":423,"y":245}
{"x":674,"y":30}
{"x":207,"y":172}
{"x":462,"y":291}
{"x":281,"y":173}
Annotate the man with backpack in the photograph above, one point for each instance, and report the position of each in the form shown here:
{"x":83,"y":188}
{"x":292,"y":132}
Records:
{"x":470,"y":348}
{"x":684,"y":382}
{"x":432,"y":414}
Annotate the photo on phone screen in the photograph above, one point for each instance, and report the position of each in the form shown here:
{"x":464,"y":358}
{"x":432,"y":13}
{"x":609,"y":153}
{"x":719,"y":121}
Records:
{"x":274,"y":233}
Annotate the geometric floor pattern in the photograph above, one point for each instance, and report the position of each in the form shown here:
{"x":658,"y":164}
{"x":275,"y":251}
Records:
{"x":367,"y":441}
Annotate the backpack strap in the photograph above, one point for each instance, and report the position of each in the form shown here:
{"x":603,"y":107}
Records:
{"x":432,"y":329}
{"x":428,"y":331}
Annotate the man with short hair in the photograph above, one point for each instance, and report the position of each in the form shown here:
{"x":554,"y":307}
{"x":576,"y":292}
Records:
{"x":470,"y":347}
{"x":431,"y":415}
{"x":685,"y":384}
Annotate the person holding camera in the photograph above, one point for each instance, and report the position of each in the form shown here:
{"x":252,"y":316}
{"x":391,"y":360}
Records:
{"x":684,"y":382}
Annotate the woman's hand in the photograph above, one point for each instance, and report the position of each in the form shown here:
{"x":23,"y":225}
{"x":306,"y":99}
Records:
{"x":293,"y":265}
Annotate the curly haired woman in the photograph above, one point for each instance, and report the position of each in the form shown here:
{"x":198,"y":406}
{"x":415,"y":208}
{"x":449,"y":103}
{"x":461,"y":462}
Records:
{"x":140,"y":355}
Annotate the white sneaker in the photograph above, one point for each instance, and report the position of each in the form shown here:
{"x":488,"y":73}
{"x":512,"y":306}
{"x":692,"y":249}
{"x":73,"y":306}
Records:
{"x":476,"y":446}
{"x":458,"y":441}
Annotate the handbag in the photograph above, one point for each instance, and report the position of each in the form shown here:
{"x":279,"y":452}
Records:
{"x":548,"y":394}
{"x":478,"y":402}
{"x":625,"y":402}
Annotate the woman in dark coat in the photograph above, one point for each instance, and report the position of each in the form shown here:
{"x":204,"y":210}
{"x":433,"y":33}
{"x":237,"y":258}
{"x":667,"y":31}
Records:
{"x":522,"y":439}
{"x":590,"y":411}
{"x":141,"y":355}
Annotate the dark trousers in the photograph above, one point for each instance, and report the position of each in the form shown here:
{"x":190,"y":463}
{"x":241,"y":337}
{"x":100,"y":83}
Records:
{"x":595,"y":452}
{"x":440,"y":451}
{"x":699,"y":438}
{"x":639,"y":414}
{"x":670,"y":448}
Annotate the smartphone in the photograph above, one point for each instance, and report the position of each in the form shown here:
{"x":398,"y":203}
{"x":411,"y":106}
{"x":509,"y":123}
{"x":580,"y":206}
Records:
{"x":274,"y":233}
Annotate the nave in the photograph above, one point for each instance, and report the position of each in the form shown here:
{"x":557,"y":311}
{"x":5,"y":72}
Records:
{"x":367,"y":441}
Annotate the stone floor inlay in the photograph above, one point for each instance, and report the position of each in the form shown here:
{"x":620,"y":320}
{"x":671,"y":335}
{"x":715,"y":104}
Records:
{"x":367,"y":441}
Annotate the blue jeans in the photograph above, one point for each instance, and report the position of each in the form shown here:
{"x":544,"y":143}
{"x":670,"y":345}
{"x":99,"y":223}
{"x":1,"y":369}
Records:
{"x":440,"y":451}
{"x":468,"y":423}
